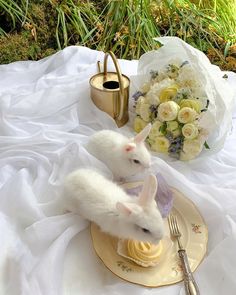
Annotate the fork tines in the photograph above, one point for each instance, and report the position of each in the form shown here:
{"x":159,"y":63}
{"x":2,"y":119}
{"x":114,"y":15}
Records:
{"x":173,"y":224}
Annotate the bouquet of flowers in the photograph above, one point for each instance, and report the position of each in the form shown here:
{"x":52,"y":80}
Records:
{"x":173,"y":101}
{"x":179,"y":101}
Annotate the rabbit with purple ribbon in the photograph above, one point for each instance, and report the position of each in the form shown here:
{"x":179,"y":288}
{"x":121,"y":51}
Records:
{"x":102,"y":201}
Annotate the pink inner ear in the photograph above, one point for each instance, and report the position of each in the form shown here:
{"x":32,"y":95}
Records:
{"x":142,"y":135}
{"x":123,"y":208}
{"x":130,"y":147}
{"x":149,"y":190}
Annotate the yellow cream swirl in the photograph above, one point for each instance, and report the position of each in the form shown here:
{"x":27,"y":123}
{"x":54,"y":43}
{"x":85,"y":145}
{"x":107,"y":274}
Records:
{"x":143,"y":251}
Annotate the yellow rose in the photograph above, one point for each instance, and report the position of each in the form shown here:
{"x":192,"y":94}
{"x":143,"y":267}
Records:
{"x":168,"y":111}
{"x":145,"y":112}
{"x":168,"y":93}
{"x":187,"y":115}
{"x":160,"y":144}
{"x":155,"y":130}
{"x":191,"y":103}
{"x":139,"y":124}
{"x":190,"y":131}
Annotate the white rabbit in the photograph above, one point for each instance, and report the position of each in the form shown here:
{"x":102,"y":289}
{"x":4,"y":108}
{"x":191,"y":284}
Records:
{"x":100,"y":200}
{"x":122,"y":155}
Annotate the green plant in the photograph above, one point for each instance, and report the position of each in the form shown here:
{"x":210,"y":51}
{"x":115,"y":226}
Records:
{"x":12,"y":12}
{"x":203,"y":26}
{"x":75,"y":22}
{"x":126,"y":27}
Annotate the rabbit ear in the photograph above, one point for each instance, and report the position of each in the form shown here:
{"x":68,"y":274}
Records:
{"x":149,"y":190}
{"x":126,"y":208}
{"x":142,"y":135}
{"x":130,"y":146}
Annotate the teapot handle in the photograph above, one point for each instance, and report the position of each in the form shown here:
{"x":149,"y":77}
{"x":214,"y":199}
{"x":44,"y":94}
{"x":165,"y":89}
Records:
{"x":118,"y":71}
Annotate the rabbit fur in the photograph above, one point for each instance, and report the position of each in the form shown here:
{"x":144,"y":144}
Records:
{"x":122,"y":155}
{"x":102,"y":201}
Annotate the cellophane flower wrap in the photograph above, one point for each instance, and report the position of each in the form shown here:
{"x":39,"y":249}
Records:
{"x":186,"y":98}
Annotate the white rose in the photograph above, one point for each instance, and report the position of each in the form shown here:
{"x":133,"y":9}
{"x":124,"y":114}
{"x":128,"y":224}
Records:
{"x":187,"y":115}
{"x":145,"y":112}
{"x":191,"y":149}
{"x":168,"y":111}
{"x":152,"y":97}
{"x":190,"y":131}
{"x":188,"y":77}
{"x":155,"y":131}
{"x":141,"y":100}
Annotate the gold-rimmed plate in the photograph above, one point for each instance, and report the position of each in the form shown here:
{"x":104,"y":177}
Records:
{"x":169,"y":271}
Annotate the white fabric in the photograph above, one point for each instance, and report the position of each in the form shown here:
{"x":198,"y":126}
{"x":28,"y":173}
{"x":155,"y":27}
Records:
{"x":46,"y":116}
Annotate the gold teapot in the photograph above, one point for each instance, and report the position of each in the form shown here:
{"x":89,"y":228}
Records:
{"x":110,"y":91}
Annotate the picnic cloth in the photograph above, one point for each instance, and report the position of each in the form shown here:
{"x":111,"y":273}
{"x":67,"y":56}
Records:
{"x":46,"y":116}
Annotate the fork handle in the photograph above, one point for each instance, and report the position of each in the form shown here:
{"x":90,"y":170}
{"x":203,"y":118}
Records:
{"x":191,"y":287}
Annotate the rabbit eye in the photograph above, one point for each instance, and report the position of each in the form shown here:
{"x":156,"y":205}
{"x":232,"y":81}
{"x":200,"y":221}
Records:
{"x":145,"y":230}
{"x":136,"y":161}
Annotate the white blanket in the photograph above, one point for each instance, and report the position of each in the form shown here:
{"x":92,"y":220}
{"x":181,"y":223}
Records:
{"x":46,"y":116}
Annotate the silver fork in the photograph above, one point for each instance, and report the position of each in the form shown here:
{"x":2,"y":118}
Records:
{"x":191,"y":287}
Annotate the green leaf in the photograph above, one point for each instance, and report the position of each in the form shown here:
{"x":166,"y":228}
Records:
{"x":226,"y":50}
{"x":206,"y":145}
{"x":162,"y":128}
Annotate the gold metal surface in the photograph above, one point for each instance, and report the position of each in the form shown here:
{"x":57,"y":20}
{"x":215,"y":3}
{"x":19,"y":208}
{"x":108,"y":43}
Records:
{"x":170,"y":270}
{"x":110,"y":91}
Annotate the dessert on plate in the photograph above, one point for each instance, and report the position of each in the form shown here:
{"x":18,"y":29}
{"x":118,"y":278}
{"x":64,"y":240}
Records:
{"x":144,"y":254}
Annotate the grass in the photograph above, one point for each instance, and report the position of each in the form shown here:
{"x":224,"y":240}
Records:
{"x":126,"y":27}
{"x":75,"y":23}
{"x":12,"y":12}
{"x":224,"y":13}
